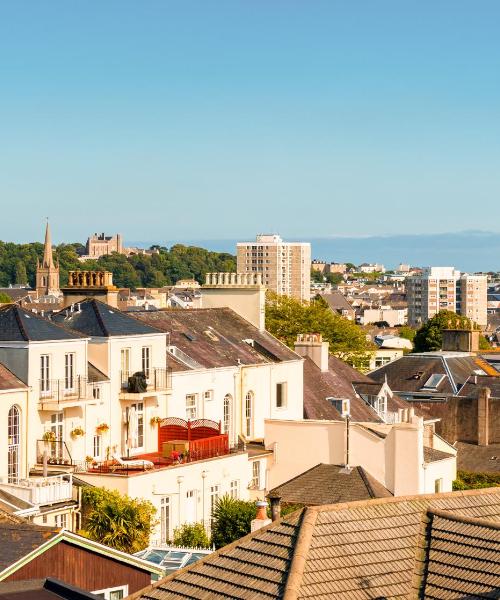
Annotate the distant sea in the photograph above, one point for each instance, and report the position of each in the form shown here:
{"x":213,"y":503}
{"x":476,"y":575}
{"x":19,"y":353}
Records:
{"x":465,"y":250}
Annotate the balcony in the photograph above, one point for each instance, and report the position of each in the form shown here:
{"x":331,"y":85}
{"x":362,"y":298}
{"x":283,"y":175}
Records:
{"x":56,"y":394}
{"x":42,"y":490}
{"x":53,"y":452}
{"x":136,"y":385}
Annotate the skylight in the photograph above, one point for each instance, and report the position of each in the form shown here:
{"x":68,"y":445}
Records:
{"x":434,"y":381}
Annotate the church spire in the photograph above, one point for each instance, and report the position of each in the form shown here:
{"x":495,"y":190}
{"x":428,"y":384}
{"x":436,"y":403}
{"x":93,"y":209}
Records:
{"x":48,"y":261}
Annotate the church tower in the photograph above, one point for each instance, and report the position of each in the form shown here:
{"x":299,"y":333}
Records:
{"x":47,"y":273}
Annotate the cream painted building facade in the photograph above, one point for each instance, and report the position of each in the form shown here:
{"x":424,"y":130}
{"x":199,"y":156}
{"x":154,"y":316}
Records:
{"x":285,"y":266}
{"x":445,"y":288}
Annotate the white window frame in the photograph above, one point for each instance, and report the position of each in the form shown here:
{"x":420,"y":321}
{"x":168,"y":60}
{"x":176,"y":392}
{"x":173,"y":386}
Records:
{"x":226,"y":413}
{"x":45,"y":373}
{"x":284,"y":394}
{"x":106,"y":593}
{"x":255,"y":483}
{"x":69,"y":371}
{"x":97,"y":446}
{"x":214,"y":497}
{"x":139,"y":411}
{"x":234,"y":489}
{"x":14,"y":444}
{"x":191,"y":406}
{"x":146,"y":361}
{"x":249,"y":404}
{"x":124,"y":366}
{"x":165,"y":519}
{"x":208,"y":395}
{"x":61,"y":520}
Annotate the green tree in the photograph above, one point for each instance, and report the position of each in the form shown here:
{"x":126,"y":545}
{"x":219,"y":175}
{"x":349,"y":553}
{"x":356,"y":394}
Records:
{"x":334,"y":278}
{"x":430,"y":336}
{"x":470,"y":480}
{"x":316,"y":276}
{"x":5,"y":298}
{"x":231,"y":520}
{"x":287,"y":317}
{"x":191,"y":535}
{"x":117,"y":520}
{"x":21,"y":275}
{"x":407,"y":332}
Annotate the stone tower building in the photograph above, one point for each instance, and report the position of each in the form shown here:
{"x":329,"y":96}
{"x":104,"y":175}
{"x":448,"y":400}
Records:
{"x":47,"y":273}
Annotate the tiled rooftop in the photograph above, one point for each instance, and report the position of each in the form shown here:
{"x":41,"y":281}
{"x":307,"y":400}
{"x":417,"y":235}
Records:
{"x":384,"y":548}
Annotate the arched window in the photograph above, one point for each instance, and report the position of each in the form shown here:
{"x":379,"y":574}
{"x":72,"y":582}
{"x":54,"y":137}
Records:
{"x":248,"y":414}
{"x":14,"y":444}
{"x":226,"y":418}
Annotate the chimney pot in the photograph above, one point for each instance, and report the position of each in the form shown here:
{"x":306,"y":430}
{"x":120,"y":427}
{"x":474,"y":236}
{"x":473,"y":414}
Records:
{"x":261,"y":519}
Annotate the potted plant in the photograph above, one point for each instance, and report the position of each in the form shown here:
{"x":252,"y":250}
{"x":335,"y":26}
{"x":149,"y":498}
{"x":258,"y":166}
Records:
{"x":155,"y":421}
{"x":102,"y":428}
{"x":77,"y":432}
{"x":49,"y":436}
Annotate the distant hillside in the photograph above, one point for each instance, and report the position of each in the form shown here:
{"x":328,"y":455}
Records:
{"x":165,"y":268}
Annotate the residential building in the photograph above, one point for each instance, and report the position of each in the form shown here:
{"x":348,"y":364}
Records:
{"x":384,"y":314}
{"x":47,"y":272}
{"x":443,"y":545}
{"x":371,"y":268}
{"x":445,"y":288}
{"x":339,"y":304}
{"x":472,"y":298}
{"x":285,"y":266}
{"x":336,"y":268}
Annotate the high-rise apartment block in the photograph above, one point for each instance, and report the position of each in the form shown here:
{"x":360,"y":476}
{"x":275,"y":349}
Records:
{"x":285,"y":266}
{"x":445,"y":288}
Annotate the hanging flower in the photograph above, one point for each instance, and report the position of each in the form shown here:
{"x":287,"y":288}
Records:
{"x":49,"y":436}
{"x":102,"y":428}
{"x":155,"y":421}
{"x":77,"y":432}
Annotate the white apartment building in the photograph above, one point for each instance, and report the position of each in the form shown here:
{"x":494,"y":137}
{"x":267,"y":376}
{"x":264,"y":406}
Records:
{"x":285,"y":266}
{"x":445,"y":288}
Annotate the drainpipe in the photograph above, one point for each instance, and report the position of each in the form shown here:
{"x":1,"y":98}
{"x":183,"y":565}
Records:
{"x":203,"y":476}
{"x":180,"y":479}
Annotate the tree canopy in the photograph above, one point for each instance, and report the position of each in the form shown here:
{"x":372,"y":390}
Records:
{"x":191,"y":535}
{"x":287,"y":317}
{"x":18,"y":264}
{"x":116,"y":520}
{"x":231,"y":520}
{"x":430,"y":336}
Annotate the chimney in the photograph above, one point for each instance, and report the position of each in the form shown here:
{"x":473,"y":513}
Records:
{"x":313,"y":346}
{"x":483,"y":424}
{"x":460,"y":340}
{"x":261,"y":519}
{"x":275,"y":507}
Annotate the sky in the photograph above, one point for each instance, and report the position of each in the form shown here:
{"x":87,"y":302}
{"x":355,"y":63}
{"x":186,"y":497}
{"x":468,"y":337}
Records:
{"x":220,"y":119}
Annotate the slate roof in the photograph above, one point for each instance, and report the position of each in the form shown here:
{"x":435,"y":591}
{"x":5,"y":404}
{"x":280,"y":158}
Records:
{"x":8,"y":381}
{"x":434,"y":455}
{"x":214,"y":337}
{"x":94,"y":374}
{"x":20,"y":325}
{"x":410,"y":373}
{"x":383,"y":548}
{"x":471,"y":457}
{"x":42,"y":589}
{"x":462,"y":558}
{"x":19,"y":539}
{"x":473,"y":386}
{"x":338,"y":382}
{"x":97,"y":319}
{"x":328,"y":484}
{"x":337,"y":302}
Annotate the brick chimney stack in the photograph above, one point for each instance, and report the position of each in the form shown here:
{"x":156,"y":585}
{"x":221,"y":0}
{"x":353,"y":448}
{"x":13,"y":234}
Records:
{"x":483,"y":416}
{"x":313,"y":346}
{"x":261,"y":519}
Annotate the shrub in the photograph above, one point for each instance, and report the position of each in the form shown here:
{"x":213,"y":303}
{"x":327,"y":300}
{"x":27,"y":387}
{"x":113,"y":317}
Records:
{"x":231,"y":520}
{"x":191,"y":535}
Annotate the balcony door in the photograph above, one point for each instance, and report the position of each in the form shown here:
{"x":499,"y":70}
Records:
{"x":14,"y":444}
{"x":45,"y":374}
{"x":190,"y":516}
{"x":125,"y":366}
{"x":57,"y":428}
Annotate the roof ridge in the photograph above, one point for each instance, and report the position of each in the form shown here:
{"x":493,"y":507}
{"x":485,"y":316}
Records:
{"x":459,"y":518}
{"x":363,"y":476}
{"x":217,"y":553}
{"x":300,"y":552}
{"x":98,"y":316}
{"x":20,"y":324}
{"x":412,"y":497}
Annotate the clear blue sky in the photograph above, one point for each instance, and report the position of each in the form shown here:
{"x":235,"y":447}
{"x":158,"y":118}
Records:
{"x":219,"y":119}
